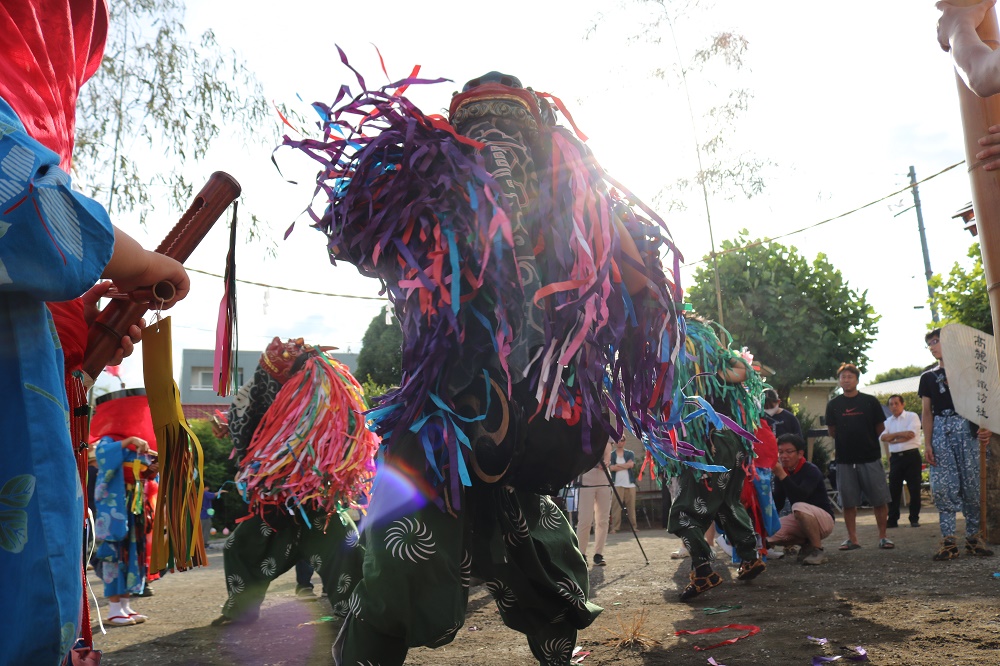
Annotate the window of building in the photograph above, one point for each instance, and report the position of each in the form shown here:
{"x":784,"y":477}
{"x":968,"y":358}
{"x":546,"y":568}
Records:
{"x":201,"y":378}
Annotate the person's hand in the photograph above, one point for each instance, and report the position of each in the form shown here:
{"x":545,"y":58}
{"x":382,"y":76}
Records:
{"x":153,"y":469}
{"x":956,"y":19}
{"x":779,"y":471}
{"x":90,"y":312}
{"x":984,"y":436}
{"x":734,"y":373}
{"x":220,"y":430}
{"x":990,"y":153}
{"x":158,"y":268}
{"x":141,"y":445}
{"x":929,"y":456}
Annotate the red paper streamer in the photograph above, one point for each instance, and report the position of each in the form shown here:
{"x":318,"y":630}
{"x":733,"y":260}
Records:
{"x":751,"y":630}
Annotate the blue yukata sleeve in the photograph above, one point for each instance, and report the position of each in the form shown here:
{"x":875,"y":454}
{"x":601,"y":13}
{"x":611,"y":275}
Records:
{"x":54,"y":242}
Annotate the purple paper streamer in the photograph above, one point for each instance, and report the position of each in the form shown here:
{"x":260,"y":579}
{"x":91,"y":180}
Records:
{"x":862,"y":654}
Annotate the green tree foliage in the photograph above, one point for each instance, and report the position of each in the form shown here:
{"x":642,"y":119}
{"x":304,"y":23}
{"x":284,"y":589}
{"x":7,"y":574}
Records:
{"x":381,"y":357}
{"x":219,"y":469}
{"x":705,"y":70}
{"x":799,"y":318}
{"x":898,"y":373}
{"x":720,"y":57}
{"x":157,"y":100}
{"x":373,"y":390}
{"x":911,"y":401}
{"x":962,"y":297}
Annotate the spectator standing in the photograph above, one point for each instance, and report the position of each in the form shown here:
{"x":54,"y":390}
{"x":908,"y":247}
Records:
{"x":855,"y":421}
{"x":207,"y":497}
{"x":953,"y":454}
{"x":595,"y":499}
{"x":623,"y":469}
{"x":902,"y":436}
{"x":782,"y":421}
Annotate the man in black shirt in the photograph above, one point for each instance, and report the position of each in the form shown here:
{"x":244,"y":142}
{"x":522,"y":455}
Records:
{"x":855,"y":421}
{"x":801,"y":483}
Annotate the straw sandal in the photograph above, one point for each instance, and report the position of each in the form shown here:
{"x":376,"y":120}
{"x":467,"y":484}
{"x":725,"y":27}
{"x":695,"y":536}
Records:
{"x":701,"y":583}
{"x":948,"y":551}
{"x":976,"y":546}
{"x":750,"y":570}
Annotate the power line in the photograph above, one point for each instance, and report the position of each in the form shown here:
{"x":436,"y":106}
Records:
{"x":300,"y":291}
{"x":692,"y":263}
{"x":822,"y":222}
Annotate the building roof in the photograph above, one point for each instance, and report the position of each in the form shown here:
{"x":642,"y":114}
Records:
{"x":829,"y":381}
{"x":906,"y":385}
{"x":202,"y":411}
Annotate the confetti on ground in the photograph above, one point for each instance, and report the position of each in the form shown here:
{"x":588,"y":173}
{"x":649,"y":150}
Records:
{"x":721,"y":609}
{"x":860,"y":654}
{"x":325,"y":618}
{"x":578,"y":655}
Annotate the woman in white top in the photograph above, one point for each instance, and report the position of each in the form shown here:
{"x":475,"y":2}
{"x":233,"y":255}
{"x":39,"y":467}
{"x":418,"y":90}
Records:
{"x":595,"y":496}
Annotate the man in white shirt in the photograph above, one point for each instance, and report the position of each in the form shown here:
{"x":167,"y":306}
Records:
{"x":902,"y":435}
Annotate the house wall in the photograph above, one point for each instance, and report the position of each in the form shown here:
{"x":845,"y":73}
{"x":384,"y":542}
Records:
{"x":812,"y":398}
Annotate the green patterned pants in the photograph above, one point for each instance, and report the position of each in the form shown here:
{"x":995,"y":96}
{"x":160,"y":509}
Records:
{"x":704,"y":498}
{"x":418,"y":568}
{"x":257,"y":552}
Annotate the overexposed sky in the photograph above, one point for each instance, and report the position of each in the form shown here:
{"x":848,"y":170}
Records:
{"x":846,"y":98}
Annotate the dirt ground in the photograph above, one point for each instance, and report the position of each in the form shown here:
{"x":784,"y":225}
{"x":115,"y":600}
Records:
{"x":899,"y":605}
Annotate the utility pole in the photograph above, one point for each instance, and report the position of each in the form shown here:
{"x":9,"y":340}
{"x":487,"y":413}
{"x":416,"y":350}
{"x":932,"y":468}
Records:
{"x":923,"y":245}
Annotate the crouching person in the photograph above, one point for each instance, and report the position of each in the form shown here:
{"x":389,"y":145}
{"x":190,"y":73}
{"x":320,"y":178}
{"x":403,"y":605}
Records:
{"x":801,"y":483}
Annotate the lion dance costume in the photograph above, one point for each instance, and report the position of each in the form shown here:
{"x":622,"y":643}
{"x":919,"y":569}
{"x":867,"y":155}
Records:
{"x":499,"y":240}
{"x":306,"y":455}
{"x":720,"y":415}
